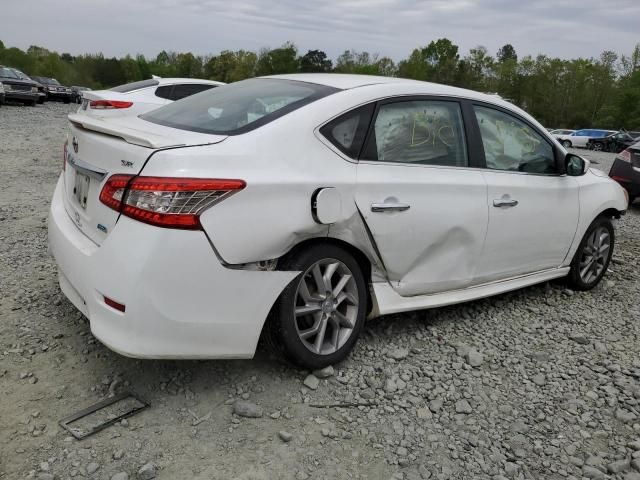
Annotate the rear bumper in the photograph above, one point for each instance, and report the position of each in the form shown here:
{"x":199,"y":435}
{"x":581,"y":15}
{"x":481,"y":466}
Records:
{"x":627,"y":176}
{"x":181,"y":302}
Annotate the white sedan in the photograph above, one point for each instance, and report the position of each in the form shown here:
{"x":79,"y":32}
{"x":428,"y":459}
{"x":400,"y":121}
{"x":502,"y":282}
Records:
{"x":300,"y":205}
{"x":141,"y":97}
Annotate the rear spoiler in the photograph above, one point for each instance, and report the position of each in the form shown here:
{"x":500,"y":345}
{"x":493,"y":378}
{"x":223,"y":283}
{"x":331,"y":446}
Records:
{"x":128,"y":134}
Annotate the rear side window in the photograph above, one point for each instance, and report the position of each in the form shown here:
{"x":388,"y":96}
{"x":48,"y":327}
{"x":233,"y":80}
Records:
{"x":187,"y":89}
{"x":347,"y":132}
{"x":428,"y":132}
{"x":239,"y":107}
{"x":130,"y":87}
{"x":164,"y":92}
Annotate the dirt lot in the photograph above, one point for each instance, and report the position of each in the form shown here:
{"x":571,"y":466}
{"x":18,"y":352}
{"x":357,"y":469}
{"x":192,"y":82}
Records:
{"x":539,"y":383}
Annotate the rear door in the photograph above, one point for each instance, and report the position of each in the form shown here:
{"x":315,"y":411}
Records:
{"x":533,"y":207}
{"x":422,"y":201}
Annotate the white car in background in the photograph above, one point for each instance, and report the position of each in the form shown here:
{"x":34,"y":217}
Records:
{"x":141,"y":97}
{"x":300,"y":205}
{"x":558,"y":132}
{"x":579,"y":138}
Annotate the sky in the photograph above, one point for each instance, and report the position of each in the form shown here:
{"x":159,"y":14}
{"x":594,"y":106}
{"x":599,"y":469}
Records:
{"x":558,"y":28}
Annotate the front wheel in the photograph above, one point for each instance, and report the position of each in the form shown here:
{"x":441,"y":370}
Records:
{"x":566,"y":143}
{"x":598,"y":147}
{"x":594,"y":253}
{"x":318,"y":317}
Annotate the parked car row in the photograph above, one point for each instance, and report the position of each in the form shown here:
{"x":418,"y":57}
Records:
{"x":596,"y":139}
{"x":31,"y":90}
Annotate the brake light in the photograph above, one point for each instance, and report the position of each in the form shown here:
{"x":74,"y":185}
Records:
{"x":64,"y":155}
{"x":625,"y":155}
{"x":166,"y":202}
{"x":109,"y":104}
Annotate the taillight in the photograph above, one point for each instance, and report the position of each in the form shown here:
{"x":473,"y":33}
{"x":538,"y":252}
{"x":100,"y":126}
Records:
{"x":64,"y":155}
{"x":166,"y":202}
{"x":109,"y":104}
{"x":625,"y":155}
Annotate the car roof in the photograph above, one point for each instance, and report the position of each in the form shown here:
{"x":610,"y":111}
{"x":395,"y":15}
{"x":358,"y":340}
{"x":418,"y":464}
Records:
{"x":416,"y":87}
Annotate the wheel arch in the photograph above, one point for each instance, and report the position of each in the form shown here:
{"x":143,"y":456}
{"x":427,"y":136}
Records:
{"x":360,"y":257}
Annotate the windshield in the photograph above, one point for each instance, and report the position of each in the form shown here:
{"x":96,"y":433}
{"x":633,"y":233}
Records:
{"x":7,"y":73}
{"x":130,"y":87}
{"x":238,"y":107}
{"x":20,"y":75}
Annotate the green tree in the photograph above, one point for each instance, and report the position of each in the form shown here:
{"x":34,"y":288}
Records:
{"x":507,"y":52}
{"x":315,"y":61}
{"x":278,"y":60}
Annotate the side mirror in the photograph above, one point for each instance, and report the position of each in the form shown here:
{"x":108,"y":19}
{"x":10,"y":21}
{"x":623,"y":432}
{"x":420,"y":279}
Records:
{"x":575,"y":165}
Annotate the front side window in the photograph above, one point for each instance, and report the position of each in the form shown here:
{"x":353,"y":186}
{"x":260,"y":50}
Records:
{"x":238,"y":107}
{"x":427,"y":132}
{"x":511,"y":145}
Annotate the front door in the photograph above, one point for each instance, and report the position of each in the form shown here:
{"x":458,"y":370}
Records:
{"x":533,"y":208}
{"x":425,"y":209}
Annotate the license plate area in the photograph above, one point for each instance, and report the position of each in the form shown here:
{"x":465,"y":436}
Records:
{"x":81,"y":189}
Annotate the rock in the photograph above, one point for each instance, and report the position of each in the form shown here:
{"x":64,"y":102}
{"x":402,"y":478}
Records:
{"x":92,"y":468}
{"x":398,"y":353}
{"x":120,"y":476}
{"x":435,"y":405}
{"x":592,"y":472}
{"x":325,"y":372}
{"x":474,"y":358}
{"x":635,"y":463}
{"x":619,"y":466}
{"x":423,"y":413}
{"x":462,"y":406}
{"x":581,"y":339}
{"x":635,"y":445}
{"x":390,"y":386}
{"x":631,"y":476}
{"x":46,"y":476}
{"x":118,"y":454}
{"x":539,"y":379}
{"x":286,"y":437}
{"x":625,"y":416}
{"x":246,"y":409}
{"x":44,"y":466}
{"x":311,"y":381}
{"x":147,"y":472}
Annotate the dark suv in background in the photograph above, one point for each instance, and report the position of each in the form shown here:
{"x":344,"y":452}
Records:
{"x":17,"y":89}
{"x":42,"y":95}
{"x":54,"y":90}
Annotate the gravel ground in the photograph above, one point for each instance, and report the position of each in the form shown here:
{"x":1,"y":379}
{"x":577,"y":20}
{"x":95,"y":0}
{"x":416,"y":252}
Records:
{"x":538,"y":383}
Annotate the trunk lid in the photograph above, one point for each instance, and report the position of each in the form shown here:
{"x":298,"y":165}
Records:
{"x":98,"y":148}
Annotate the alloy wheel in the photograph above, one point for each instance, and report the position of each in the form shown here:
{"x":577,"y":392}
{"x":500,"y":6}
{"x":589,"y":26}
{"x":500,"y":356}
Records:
{"x":597,"y":147}
{"x":594,"y":255}
{"x":326,"y":306}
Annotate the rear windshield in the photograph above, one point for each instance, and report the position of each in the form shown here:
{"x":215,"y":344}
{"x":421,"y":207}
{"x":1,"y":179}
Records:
{"x":130,"y":87}
{"x":238,"y":107}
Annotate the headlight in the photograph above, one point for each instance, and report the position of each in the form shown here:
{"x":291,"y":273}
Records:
{"x":34,"y":89}
{"x":7,"y":88}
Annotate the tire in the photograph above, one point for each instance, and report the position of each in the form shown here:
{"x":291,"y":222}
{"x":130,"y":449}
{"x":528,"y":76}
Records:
{"x":66,"y":101}
{"x":33,"y":103}
{"x":598,"y":147}
{"x":342,"y":317}
{"x":41,"y":100}
{"x":566,"y":143}
{"x":583,"y":260}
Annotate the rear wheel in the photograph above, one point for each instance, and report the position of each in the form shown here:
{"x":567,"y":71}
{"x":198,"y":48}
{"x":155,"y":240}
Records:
{"x":318,"y":317}
{"x":592,"y":258}
{"x":598,"y":147}
{"x":566,"y":143}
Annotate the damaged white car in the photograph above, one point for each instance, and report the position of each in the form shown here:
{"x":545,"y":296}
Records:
{"x":300,"y":205}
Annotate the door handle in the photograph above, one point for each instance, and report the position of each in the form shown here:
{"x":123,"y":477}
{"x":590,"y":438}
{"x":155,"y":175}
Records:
{"x":389,"y":207}
{"x":505,"y":203}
